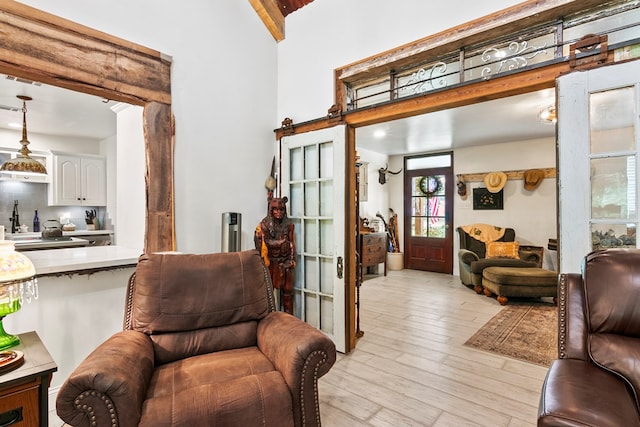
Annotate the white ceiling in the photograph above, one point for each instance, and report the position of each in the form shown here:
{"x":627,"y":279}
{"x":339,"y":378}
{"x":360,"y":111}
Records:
{"x":62,"y":112}
{"x":56,"y":111}
{"x":503,"y":120}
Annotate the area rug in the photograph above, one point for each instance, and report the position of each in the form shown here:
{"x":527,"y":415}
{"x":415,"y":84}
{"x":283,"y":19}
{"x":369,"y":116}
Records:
{"x":524,"y":331}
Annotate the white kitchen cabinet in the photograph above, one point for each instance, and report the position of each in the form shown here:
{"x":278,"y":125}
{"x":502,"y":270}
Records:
{"x":44,"y":158}
{"x":78,"y":181}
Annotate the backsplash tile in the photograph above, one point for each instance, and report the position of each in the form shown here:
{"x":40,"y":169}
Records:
{"x":32,"y":196}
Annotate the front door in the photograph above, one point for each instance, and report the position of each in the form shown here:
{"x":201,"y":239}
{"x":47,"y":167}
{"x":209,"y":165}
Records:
{"x":313,"y":178}
{"x":428,"y":213}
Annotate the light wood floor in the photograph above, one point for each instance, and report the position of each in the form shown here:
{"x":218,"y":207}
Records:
{"x":411,"y":369}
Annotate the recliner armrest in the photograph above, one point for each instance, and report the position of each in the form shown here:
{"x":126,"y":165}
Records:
{"x":467,"y":256}
{"x":110,"y":383}
{"x":302,"y":354}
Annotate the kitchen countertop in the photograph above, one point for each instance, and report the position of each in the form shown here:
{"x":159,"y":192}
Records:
{"x":77,"y":260}
{"x":9,"y":236}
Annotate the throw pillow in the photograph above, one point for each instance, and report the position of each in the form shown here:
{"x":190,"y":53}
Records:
{"x":503,"y":250}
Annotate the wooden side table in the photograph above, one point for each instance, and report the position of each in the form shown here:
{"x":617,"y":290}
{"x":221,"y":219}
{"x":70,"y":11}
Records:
{"x":374,"y":250}
{"x":24,"y":391}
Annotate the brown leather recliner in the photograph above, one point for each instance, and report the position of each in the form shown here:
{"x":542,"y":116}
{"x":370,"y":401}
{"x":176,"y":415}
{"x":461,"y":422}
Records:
{"x":201,"y":345}
{"x":595,"y":381}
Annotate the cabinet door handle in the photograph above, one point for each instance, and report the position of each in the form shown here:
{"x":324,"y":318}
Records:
{"x":11,"y":417}
{"x":340,"y":268}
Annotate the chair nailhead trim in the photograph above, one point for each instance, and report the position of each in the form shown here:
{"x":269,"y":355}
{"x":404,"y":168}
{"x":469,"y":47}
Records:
{"x":267,"y":281}
{"x":315,"y":384}
{"x":89,"y":409}
{"x":129,"y":308}
{"x":562,"y":317}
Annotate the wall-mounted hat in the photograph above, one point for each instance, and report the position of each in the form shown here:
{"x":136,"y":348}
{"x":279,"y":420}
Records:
{"x":533,"y":178}
{"x":495,"y":181}
{"x":462,"y":188}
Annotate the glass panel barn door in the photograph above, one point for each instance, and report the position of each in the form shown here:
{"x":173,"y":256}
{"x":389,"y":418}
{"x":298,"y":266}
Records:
{"x":598,"y":152}
{"x":313,"y":178}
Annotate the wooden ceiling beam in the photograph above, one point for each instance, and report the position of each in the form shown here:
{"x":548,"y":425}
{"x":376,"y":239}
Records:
{"x":271,"y":16}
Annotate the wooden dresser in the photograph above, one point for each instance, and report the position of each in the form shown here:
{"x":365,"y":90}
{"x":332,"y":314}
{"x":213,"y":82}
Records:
{"x":373,"y":247}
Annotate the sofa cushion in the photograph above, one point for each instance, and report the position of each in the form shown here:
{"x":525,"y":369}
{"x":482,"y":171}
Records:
{"x":172,"y":346}
{"x":526,"y":276}
{"x":224,"y":291}
{"x":619,"y":354}
{"x":609,"y":305}
{"x":579,"y":393}
{"x":234,"y":387}
{"x":503,"y":250}
{"x":478,"y":266}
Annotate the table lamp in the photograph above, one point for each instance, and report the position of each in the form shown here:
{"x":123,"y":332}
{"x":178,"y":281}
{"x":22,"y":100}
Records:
{"x":17,"y":284}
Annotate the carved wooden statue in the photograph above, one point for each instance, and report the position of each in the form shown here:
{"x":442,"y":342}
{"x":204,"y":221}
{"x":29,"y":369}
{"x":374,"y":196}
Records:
{"x":274,"y":238}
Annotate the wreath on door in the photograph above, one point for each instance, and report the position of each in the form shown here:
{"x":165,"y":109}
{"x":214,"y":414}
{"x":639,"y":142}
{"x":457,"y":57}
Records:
{"x":430,"y":185}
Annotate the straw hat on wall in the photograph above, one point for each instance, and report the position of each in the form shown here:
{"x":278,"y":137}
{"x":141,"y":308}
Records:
{"x":533,"y":178}
{"x":495,"y":181}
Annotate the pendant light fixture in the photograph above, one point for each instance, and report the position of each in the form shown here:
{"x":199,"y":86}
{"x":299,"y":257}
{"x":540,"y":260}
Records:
{"x":22,"y":163}
{"x":548,"y":115}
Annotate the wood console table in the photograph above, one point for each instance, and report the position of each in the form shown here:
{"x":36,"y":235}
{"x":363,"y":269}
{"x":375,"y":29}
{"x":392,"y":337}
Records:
{"x":374,"y":250}
{"x":24,"y":391}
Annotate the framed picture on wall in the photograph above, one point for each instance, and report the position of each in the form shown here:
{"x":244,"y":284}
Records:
{"x":483,"y":199}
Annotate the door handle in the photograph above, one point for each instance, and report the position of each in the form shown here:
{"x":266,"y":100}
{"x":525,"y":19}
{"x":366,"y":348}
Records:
{"x":340,"y":267}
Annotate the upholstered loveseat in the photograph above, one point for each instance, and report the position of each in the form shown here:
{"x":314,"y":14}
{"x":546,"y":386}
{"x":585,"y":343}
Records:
{"x":201,"y":346}
{"x":472,"y":258}
{"x":596,"y":380}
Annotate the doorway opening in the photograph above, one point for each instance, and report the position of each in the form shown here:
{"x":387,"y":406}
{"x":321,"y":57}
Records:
{"x":428,"y":213}
{"x":496,"y":135}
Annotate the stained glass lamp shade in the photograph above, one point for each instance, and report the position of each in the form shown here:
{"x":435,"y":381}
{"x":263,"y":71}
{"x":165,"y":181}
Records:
{"x":17,"y":284}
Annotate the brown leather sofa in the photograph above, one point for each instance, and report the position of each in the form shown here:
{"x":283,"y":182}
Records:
{"x":472,"y":258}
{"x":595,"y":381}
{"x":201,"y":346}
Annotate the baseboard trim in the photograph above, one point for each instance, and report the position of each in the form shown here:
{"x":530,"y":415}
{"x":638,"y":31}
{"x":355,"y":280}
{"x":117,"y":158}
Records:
{"x":53,"y":393}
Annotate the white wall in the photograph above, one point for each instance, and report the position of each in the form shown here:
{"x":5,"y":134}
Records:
{"x":109,"y":150}
{"x":377,"y":196}
{"x":532,"y":214}
{"x":130,"y":200}
{"x":329,"y":34}
{"x":228,"y":97}
{"x":40,"y":142}
{"x":223,"y":98}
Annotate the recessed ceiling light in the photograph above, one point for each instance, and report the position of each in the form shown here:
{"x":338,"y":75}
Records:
{"x":379,"y":133}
